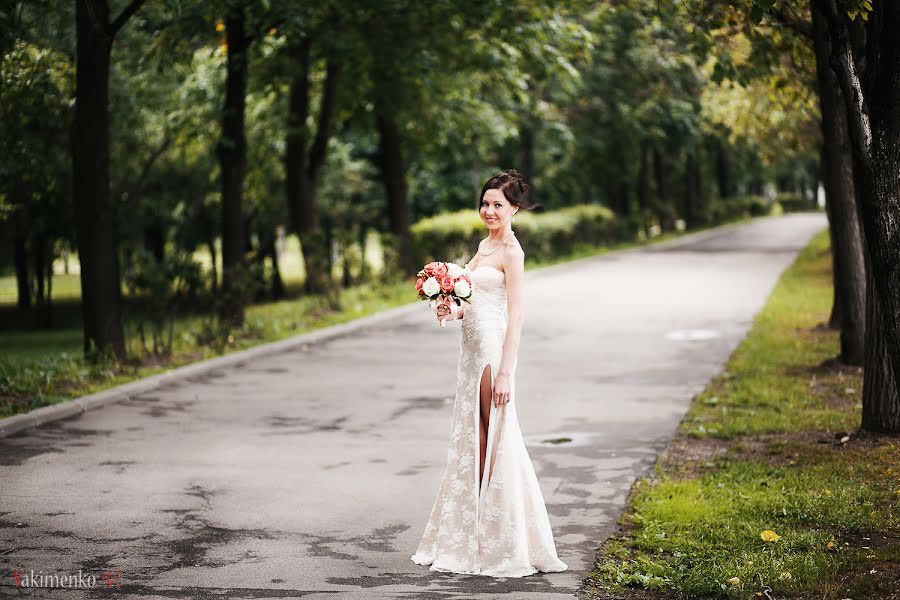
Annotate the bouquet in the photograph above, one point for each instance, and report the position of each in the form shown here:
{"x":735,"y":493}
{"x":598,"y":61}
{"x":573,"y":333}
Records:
{"x":444,"y":282}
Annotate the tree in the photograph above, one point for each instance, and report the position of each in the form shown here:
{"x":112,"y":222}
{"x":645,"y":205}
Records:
{"x":232,"y":151}
{"x":94,"y":214}
{"x":303,"y":168}
{"x":847,"y":248}
{"x":873,"y":112}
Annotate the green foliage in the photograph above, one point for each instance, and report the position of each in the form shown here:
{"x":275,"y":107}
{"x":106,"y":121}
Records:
{"x":454,"y":236}
{"x":794,"y":202}
{"x":721,"y":210}
{"x":159,"y":288}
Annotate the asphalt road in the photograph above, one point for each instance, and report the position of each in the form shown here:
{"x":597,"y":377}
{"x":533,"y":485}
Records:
{"x":311,"y":473}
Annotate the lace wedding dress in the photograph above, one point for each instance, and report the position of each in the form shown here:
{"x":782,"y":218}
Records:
{"x":502,"y":530}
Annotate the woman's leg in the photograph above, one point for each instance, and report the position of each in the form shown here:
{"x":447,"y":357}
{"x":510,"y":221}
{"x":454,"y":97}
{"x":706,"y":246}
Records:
{"x":485,"y":393}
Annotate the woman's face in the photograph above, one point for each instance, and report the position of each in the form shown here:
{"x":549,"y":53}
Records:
{"x":496,"y":211}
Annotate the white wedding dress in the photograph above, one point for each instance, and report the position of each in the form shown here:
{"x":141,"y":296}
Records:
{"x":503,"y":530}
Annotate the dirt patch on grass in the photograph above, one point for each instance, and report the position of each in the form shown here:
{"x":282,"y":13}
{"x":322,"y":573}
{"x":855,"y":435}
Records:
{"x":689,"y":456}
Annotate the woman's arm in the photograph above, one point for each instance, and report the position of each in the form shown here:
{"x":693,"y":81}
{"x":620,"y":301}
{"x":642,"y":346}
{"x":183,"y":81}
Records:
{"x":514,"y":267}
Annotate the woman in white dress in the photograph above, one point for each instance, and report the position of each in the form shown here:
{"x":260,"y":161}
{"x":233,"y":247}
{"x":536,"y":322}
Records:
{"x":489,"y":517}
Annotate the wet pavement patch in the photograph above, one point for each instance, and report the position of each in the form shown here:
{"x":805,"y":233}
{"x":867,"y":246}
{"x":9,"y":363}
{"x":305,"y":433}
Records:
{"x":15,"y":455}
{"x":300,"y":425}
{"x":191,"y":551}
{"x":119,"y":465}
{"x":420,"y":403}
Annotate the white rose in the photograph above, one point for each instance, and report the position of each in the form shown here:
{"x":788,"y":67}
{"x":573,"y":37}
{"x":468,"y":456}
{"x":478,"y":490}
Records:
{"x":462,"y":288}
{"x":454,"y":270}
{"x":431,"y":286}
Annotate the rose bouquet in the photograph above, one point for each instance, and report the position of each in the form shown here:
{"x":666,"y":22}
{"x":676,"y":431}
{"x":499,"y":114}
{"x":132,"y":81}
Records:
{"x":444,"y":283}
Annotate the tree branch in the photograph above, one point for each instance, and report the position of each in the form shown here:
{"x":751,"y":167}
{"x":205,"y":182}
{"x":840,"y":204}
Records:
{"x":842,"y":61}
{"x":126,"y":14}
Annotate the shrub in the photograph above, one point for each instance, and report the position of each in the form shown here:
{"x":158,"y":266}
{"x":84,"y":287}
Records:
{"x":721,"y":210}
{"x":159,"y":288}
{"x":452,"y":236}
{"x":794,"y":202}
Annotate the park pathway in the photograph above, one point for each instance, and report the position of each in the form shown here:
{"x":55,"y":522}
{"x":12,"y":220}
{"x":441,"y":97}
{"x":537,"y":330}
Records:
{"x":311,"y":473}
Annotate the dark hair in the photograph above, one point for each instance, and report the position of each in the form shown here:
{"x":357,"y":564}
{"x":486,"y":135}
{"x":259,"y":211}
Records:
{"x":513,"y":186}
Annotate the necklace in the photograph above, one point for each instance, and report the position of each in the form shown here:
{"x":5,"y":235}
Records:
{"x":483,"y":253}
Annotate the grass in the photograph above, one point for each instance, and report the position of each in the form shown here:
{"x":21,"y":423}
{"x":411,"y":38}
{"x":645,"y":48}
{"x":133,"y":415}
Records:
{"x":771,"y":445}
{"x":39,"y":368}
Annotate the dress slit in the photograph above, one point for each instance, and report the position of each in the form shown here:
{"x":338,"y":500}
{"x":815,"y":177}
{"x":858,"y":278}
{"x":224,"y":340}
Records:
{"x":492,"y":439}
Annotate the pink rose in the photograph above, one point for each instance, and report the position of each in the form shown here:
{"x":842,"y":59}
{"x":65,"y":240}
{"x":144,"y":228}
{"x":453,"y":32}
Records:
{"x":446,"y":282}
{"x":440,"y":270}
{"x":419,"y":283}
{"x":429,"y":268}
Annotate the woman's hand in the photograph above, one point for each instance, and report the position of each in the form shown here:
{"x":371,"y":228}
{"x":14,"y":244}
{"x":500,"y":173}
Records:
{"x":501,"y":391}
{"x":444,"y":313}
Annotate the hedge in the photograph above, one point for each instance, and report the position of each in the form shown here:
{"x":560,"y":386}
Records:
{"x":454,"y":236}
{"x":794,"y":202}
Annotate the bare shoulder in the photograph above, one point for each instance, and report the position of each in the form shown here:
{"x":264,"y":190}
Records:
{"x":514,"y":248}
{"x":513,"y":253}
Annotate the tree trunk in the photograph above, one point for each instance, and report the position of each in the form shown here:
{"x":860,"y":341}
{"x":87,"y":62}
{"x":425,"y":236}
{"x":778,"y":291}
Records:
{"x":526,"y":151}
{"x":277,"y":289}
{"x":304,"y":173}
{"x":211,"y":242}
{"x":232,"y":149}
{"x":363,"y":234}
{"x":723,"y":170}
{"x":643,"y":188}
{"x":663,"y":199}
{"x":40,"y":260}
{"x":837,"y":304}
{"x":873,"y":113}
{"x":692,"y":190}
{"x":101,"y":300}
{"x":20,"y":258}
{"x":847,"y":250}
{"x":881,"y":401}
{"x":393,"y":175}
{"x":155,"y":239}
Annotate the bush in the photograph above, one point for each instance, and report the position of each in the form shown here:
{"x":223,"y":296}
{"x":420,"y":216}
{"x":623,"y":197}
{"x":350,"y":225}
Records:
{"x":794,"y":202}
{"x":453,"y":236}
{"x":737,"y":207}
{"x":159,"y":288}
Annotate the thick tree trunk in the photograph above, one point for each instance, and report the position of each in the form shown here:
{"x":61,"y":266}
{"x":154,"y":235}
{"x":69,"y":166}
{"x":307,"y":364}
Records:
{"x":232,"y":149}
{"x":881,"y":401}
{"x":393,"y":174}
{"x":847,"y":250}
{"x":94,"y":213}
{"x":873,"y":113}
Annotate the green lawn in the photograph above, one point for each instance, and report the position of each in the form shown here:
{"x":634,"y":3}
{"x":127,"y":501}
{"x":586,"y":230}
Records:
{"x":769,"y":449}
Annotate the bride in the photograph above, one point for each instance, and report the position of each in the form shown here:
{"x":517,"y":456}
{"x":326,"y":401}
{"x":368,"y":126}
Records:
{"x":489,"y":517}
